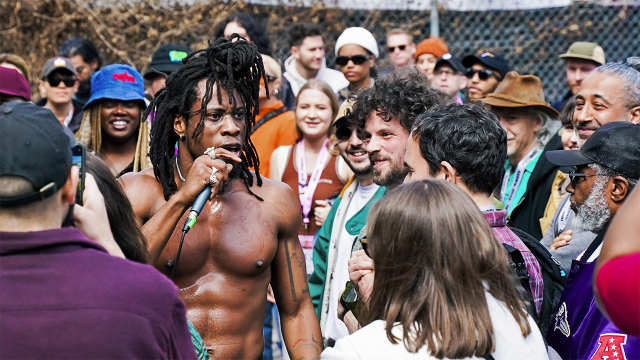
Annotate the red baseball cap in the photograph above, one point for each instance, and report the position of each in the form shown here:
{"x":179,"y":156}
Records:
{"x":13,"y":83}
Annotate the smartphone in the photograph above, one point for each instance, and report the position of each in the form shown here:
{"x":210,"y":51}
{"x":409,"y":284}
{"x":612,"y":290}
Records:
{"x":79,"y":154}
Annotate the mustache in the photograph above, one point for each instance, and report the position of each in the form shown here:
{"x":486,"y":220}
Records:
{"x":585,"y":126}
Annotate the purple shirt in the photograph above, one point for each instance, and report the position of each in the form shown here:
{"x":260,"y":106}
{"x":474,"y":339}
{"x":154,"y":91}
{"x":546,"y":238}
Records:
{"x":498,"y":222}
{"x":64,"y":297}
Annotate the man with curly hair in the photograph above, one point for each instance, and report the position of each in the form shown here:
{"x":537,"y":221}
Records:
{"x":246,"y":236}
{"x":385,"y":114}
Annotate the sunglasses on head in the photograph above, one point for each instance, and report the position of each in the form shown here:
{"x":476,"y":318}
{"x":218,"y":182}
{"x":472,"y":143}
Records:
{"x":357,"y":60}
{"x":482,"y":74}
{"x":55,"y":81}
{"x":269,"y":79}
{"x":393,"y":48}
{"x":343,"y":131}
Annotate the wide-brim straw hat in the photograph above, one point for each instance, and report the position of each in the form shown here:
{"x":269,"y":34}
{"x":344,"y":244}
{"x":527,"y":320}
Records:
{"x":519,"y":91}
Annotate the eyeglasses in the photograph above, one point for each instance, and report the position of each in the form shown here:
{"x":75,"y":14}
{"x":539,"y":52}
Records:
{"x":393,"y":48}
{"x":357,"y":59}
{"x":343,"y":132}
{"x":449,"y":72}
{"x":55,"y":81}
{"x":482,"y":74}
{"x":574,"y":175}
{"x":270,"y":79}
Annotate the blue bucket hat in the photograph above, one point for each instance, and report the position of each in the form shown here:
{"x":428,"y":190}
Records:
{"x":117,"y":81}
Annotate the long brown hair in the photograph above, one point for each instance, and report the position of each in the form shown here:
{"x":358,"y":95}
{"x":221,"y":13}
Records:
{"x":433,"y":254}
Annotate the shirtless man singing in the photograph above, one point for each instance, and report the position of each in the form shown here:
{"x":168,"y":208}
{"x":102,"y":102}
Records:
{"x":247,"y":234}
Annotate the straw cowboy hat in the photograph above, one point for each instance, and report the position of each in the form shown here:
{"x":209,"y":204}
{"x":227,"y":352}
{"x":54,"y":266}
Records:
{"x":519,"y":91}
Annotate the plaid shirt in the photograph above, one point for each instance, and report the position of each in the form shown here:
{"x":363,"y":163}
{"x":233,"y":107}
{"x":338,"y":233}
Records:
{"x":498,"y":222}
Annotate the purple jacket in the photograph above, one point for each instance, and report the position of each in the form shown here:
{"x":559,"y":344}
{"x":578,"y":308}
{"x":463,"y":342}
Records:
{"x":580,"y":331}
{"x":63,"y":296}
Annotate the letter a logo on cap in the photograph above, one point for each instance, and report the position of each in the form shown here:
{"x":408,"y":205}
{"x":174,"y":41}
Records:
{"x":124,"y":77}
{"x":611,"y":347}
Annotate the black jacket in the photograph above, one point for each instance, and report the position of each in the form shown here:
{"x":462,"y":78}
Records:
{"x":526,"y":216}
{"x":76,"y":120}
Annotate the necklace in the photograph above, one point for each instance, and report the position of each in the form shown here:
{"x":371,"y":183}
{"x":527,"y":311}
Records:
{"x":178,"y":167}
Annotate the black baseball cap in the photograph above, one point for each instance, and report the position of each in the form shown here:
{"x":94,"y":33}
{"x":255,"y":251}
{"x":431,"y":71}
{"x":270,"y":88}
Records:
{"x":166,"y":59}
{"x":451,"y":61}
{"x":34,"y":146}
{"x":490,"y":60}
{"x":614,"y":145}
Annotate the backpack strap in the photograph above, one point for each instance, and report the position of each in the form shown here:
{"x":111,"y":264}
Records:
{"x":268,"y":116}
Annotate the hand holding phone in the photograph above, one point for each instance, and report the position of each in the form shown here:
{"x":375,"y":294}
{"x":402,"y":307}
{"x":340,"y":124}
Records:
{"x":79,"y":158}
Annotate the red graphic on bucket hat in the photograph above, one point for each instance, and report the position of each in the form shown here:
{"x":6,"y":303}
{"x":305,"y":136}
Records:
{"x":124,"y":77}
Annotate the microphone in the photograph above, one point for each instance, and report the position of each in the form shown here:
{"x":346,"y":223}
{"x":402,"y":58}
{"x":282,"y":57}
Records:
{"x":196,"y":208}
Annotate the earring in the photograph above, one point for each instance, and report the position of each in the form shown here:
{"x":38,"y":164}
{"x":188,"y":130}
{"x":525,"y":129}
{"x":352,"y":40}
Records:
{"x":275,"y":91}
{"x":181,"y":137}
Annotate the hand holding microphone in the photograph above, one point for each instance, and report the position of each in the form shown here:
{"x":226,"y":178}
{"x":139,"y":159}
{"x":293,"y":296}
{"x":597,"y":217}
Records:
{"x":208,"y":171}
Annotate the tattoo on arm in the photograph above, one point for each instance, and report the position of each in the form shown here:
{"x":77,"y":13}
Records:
{"x":293,"y":288}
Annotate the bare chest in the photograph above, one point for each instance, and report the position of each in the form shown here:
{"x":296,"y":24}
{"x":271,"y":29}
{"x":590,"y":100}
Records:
{"x":235,"y":235}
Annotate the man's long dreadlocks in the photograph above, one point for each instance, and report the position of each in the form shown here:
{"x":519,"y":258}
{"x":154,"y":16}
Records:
{"x":228,"y":64}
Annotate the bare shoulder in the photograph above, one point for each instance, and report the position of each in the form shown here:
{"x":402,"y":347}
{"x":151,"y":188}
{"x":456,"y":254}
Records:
{"x":143,"y":191}
{"x":278,"y":195}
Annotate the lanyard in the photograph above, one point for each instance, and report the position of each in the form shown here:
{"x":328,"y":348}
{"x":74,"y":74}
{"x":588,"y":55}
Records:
{"x":516,"y":179}
{"x":306,"y":189}
{"x":563,"y":216}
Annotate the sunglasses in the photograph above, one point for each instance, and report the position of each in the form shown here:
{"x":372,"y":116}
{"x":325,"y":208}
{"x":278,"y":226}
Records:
{"x":573,"y":177}
{"x":343,"y":132}
{"x":482,"y":74}
{"x":365,"y":246}
{"x":393,"y":48}
{"x":357,"y":60}
{"x":270,"y":79}
{"x":55,"y":81}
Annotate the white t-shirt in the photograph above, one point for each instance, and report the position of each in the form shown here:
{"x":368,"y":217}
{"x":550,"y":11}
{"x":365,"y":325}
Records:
{"x":371,"y":342}
{"x":334,"y":328}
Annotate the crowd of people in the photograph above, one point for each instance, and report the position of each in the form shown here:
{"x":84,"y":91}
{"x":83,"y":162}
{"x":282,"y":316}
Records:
{"x":425,"y":206}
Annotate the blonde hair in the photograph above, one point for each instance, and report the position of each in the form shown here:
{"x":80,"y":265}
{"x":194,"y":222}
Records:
{"x":90,"y":134}
{"x":272,"y":64}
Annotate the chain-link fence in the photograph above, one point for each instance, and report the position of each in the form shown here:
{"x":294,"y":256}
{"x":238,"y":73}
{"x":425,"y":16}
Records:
{"x":531,"y":40}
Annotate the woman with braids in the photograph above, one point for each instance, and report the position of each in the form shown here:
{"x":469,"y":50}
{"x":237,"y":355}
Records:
{"x":442,"y":286}
{"x":245,"y":237}
{"x":112,"y":126}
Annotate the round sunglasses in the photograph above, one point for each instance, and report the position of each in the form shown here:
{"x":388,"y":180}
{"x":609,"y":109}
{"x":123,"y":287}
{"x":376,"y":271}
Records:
{"x":357,"y":60}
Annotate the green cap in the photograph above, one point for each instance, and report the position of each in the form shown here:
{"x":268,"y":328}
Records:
{"x":585,"y":50}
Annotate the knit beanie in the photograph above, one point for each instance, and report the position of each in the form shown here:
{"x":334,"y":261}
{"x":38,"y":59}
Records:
{"x":358,"y":36}
{"x":435,"y":46}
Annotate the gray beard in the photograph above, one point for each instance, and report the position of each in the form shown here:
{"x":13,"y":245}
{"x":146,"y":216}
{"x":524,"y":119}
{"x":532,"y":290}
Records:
{"x":595,"y":213}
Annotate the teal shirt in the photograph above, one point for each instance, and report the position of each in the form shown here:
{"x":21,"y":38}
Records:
{"x":317,"y":279}
{"x":522,"y":187}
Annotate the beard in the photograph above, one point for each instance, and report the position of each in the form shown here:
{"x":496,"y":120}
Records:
{"x":84,"y":90}
{"x":594,"y":213}
{"x":360,"y":169}
{"x":392,"y":178}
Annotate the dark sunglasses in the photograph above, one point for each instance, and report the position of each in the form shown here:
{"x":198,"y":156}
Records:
{"x":574,"y":175}
{"x":343,"y":132}
{"x":393,"y":48}
{"x":365,"y":246}
{"x":482,"y":74}
{"x":55,"y":81}
{"x":357,"y":60}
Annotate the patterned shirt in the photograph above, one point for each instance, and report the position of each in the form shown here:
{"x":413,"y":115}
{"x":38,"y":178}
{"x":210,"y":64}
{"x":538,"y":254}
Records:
{"x":498,"y":222}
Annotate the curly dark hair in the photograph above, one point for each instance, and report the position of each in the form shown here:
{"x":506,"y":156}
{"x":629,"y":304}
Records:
{"x":470,"y":138}
{"x":226,"y":64}
{"x":255,"y":31}
{"x":401,"y":95}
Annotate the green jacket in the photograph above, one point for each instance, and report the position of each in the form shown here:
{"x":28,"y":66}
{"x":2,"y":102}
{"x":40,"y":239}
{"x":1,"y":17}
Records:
{"x":326,"y":243}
